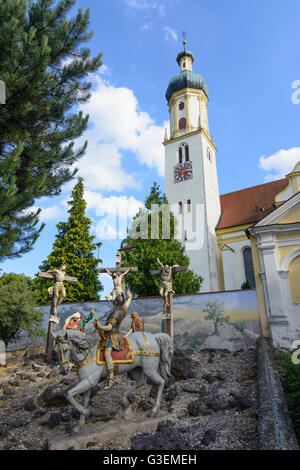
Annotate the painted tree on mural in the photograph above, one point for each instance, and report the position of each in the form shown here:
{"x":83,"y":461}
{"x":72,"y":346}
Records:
{"x":216,"y":313}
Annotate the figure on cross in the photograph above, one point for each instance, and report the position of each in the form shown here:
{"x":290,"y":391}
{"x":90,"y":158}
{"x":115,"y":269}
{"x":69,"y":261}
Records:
{"x":166,"y":283}
{"x":117,"y":274}
{"x":117,"y":279}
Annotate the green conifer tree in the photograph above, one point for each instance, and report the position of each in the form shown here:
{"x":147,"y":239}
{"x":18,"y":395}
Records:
{"x":73,"y":247}
{"x":151,"y":244}
{"x":44,"y":65}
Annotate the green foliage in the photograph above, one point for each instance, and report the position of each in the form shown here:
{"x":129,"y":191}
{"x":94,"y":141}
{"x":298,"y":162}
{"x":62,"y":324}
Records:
{"x":151,"y":241}
{"x":239,"y":324}
{"x":44,"y":65}
{"x":246,"y":285}
{"x":290,"y":378}
{"x":216,"y":313}
{"x":17,"y":309}
{"x":73,"y":247}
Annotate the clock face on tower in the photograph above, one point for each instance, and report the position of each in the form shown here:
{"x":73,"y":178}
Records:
{"x":183,"y":171}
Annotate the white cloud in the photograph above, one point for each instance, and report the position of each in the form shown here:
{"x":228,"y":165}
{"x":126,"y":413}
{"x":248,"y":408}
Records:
{"x":280,"y":163}
{"x":118,"y":125}
{"x":170,"y":35}
{"x":147,"y":5}
{"x":52,"y":212}
{"x":112,"y":204}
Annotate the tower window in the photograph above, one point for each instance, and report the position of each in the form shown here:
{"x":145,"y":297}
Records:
{"x":188,"y":205}
{"x":248,"y":265}
{"x":180,"y":208}
{"x":208,"y":153}
{"x":180,"y":155}
{"x":183,"y":65}
{"x":185,"y":235}
{"x":187,"y":156}
{"x":181,"y":105}
{"x":182,"y":123}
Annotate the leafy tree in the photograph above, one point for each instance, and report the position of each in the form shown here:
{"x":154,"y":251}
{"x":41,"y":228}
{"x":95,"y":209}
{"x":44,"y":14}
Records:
{"x":216,"y":313}
{"x":246,"y":285}
{"x":44,"y":66}
{"x":149,"y":242}
{"x":73,"y":247}
{"x":18,"y":309}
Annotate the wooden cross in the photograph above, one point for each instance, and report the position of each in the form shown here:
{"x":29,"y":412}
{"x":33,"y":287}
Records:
{"x":121,"y":272}
{"x":166,"y":291}
{"x":58,"y":295}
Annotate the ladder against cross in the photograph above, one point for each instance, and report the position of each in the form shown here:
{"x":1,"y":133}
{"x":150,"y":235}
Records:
{"x":168,"y":307}
{"x":58,"y":295}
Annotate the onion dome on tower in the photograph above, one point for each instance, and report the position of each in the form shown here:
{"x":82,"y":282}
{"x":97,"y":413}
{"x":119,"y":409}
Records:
{"x":186,"y":78}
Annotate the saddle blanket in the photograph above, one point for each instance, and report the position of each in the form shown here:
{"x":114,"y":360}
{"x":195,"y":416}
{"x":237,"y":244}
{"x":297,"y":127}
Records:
{"x":124,"y":356}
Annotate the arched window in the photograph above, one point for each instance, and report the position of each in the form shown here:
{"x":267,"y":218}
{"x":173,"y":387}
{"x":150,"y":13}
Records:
{"x":185,"y":235}
{"x":180,"y":155}
{"x":180,"y":208}
{"x":187,"y":155}
{"x":208,"y":153}
{"x":248,"y":266}
{"x":182,"y":123}
{"x":188,"y":205}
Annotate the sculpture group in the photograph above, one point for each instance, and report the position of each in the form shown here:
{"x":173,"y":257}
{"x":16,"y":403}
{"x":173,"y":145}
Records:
{"x":99,"y":355}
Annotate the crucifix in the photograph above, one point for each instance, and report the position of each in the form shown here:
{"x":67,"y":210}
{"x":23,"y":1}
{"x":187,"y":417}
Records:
{"x":166,"y":291}
{"x":117,"y":274}
{"x":58,"y":293}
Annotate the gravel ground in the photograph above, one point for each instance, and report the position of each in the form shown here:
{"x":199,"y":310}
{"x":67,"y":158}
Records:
{"x":211,"y":400}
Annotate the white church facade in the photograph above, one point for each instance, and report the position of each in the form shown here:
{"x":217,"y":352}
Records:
{"x":248,"y":235}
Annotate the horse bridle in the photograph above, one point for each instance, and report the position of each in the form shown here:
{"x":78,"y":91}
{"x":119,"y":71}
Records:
{"x":61,"y":362}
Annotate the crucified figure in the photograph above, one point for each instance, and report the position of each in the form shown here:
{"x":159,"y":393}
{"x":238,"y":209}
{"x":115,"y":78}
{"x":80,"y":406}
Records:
{"x":58,"y":291}
{"x":166,"y":286}
{"x":117,"y":279}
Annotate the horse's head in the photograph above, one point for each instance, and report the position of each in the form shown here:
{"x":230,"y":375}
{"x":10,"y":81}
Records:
{"x":63,"y":348}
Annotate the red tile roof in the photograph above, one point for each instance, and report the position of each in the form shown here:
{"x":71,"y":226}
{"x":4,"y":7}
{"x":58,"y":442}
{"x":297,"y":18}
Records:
{"x":249,"y":205}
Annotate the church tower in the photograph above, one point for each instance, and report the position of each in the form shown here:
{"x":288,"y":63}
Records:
{"x":191,"y":182}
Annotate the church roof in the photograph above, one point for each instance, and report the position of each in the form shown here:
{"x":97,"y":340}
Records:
{"x":249,"y":205}
{"x":185,"y":53}
{"x":186,"y":79}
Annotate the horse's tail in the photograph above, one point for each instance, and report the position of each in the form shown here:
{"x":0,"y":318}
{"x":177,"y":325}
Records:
{"x":166,"y":353}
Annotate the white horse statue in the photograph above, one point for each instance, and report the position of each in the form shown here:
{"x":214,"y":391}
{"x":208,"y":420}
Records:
{"x":152,"y":358}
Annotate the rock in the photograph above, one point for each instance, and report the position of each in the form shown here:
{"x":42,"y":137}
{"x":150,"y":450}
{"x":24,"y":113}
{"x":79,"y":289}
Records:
{"x":39,"y":413}
{"x":217,"y":405}
{"x":91,"y":444}
{"x":220,"y":376}
{"x":30,"y":405}
{"x":53,"y":420}
{"x":171,"y":394}
{"x":168,"y":438}
{"x":169,"y":382}
{"x":209,"y":437}
{"x":182,"y":365}
{"x":195,"y":388}
{"x":69,"y":428}
{"x":14,"y":382}
{"x":9,"y":392}
{"x":37,"y":367}
{"x":197,"y":408}
{"x":9,"y":445}
{"x":242,"y":404}
{"x":53,"y":396}
{"x":165,"y":423}
{"x":209,"y":378}
{"x":18,"y":422}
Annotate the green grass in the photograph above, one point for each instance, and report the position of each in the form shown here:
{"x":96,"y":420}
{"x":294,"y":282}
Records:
{"x":290,"y":379}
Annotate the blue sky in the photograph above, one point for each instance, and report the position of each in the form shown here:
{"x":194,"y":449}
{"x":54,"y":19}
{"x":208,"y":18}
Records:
{"x":249,"y":54}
